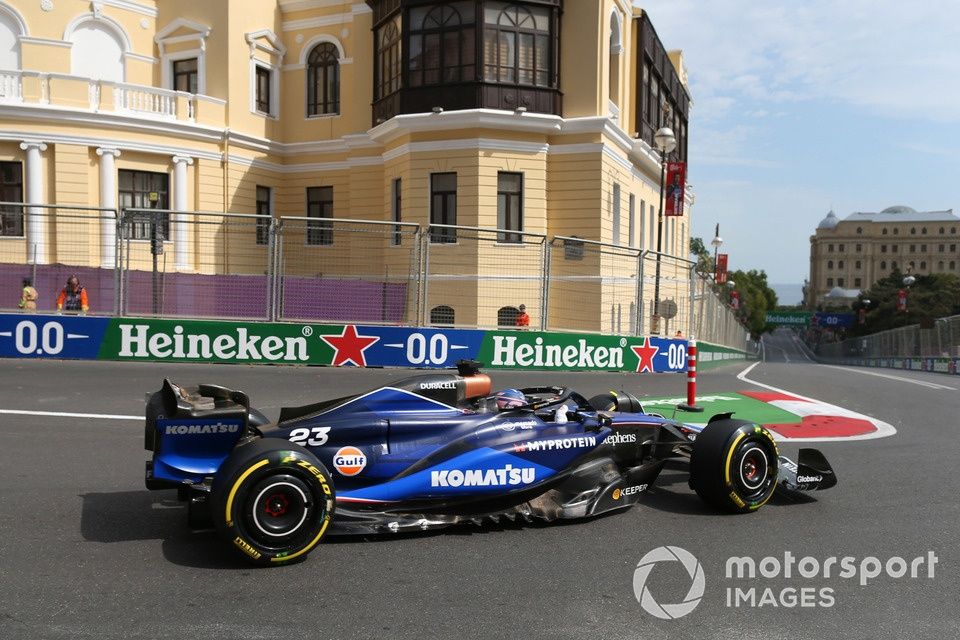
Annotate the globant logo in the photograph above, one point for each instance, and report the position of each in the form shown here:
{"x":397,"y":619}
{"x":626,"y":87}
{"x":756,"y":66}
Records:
{"x":660,"y":556}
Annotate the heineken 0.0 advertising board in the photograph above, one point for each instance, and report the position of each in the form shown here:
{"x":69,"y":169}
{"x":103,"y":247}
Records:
{"x":160,"y":340}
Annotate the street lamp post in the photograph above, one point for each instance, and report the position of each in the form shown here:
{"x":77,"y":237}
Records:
{"x":665,"y":142}
{"x":717,"y":242}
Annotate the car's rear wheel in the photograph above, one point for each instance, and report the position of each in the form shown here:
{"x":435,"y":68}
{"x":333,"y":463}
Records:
{"x":734,"y":465}
{"x":273,"y":501}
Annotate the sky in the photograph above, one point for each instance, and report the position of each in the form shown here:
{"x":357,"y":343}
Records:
{"x":804,"y":106}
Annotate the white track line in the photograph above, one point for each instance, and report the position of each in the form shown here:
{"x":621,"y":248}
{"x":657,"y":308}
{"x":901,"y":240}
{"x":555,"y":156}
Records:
{"x":922,"y":383}
{"x":883,"y":429}
{"x":64,"y":414}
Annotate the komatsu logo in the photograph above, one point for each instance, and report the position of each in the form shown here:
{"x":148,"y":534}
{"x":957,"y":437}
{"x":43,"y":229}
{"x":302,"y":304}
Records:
{"x":505,"y":477}
{"x":192,"y":429}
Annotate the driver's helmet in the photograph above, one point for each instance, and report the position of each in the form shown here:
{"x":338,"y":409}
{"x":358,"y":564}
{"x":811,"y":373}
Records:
{"x":510,"y":399}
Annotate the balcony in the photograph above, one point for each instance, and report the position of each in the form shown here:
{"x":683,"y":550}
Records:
{"x":63,"y":91}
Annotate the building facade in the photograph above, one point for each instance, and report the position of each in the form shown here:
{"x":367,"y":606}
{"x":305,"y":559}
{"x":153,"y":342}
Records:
{"x":853,"y":253}
{"x":531,"y":116}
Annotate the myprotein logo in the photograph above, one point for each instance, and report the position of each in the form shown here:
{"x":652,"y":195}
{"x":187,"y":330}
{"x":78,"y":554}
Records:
{"x":203,"y":428}
{"x":143,"y":341}
{"x":663,"y":557}
{"x":556,"y":444}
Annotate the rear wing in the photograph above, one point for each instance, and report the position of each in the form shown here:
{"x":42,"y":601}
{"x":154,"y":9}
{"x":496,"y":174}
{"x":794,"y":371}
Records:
{"x":191,"y":431}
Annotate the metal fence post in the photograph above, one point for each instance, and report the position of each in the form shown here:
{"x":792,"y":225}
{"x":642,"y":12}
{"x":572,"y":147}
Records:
{"x":693,"y":299}
{"x":641,"y":314}
{"x":272,"y":270}
{"x":117,"y":264}
{"x":425,"y":271}
{"x":545,"y":286}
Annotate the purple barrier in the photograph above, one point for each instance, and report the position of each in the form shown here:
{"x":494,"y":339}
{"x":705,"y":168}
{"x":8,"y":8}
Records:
{"x":193,"y":295}
{"x":51,"y":278}
{"x":344,"y":300}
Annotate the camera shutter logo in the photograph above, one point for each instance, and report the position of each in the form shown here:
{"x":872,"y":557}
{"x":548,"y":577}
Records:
{"x":645,"y":597}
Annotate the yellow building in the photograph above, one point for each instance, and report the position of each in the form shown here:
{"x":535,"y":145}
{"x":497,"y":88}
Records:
{"x":534,"y":116}
{"x":849,"y":255}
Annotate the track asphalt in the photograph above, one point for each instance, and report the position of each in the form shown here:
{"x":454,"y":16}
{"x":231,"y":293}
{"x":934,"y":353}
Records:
{"x":89,"y":553}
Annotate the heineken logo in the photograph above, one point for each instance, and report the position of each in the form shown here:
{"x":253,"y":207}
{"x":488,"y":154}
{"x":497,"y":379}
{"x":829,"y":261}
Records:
{"x":576,"y":355}
{"x":143,"y":341}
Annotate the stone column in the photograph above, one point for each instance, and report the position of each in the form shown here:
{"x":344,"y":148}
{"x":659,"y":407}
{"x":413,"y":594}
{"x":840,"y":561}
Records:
{"x":180,"y":228}
{"x":108,"y":200}
{"x":37,"y":217}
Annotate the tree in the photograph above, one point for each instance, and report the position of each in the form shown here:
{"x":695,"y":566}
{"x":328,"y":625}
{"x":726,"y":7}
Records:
{"x":705,"y":264}
{"x":756,"y":299}
{"x":932,"y":296}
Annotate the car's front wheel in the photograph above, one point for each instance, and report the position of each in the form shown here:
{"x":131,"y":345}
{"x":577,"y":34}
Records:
{"x":273,"y":501}
{"x":734,"y":465}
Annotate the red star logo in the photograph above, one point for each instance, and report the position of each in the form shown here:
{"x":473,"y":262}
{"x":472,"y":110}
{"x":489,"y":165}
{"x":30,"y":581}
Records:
{"x":349,"y":347}
{"x":645,"y":352}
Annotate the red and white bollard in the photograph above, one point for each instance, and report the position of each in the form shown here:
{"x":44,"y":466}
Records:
{"x":691,"y":404}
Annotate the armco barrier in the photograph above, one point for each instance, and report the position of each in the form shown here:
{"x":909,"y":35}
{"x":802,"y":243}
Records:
{"x":930,"y":364}
{"x":159,"y":340}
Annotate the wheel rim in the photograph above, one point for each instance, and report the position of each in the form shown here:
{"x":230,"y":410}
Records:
{"x":278,"y":508}
{"x":754,"y":468}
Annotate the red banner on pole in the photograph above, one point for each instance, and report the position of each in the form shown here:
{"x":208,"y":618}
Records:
{"x":902,"y":300}
{"x":676,"y":186}
{"x":721,"y":275}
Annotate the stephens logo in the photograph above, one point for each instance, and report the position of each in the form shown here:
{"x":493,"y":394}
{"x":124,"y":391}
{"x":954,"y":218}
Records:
{"x":505,"y":477}
{"x":349,"y":461}
{"x":205,"y":428}
{"x":618,"y":437}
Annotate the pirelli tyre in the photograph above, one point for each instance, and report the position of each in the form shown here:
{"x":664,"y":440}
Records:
{"x":734,"y":465}
{"x":272,"y":500}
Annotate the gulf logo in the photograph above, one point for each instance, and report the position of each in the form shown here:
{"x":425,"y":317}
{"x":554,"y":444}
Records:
{"x":349,"y":461}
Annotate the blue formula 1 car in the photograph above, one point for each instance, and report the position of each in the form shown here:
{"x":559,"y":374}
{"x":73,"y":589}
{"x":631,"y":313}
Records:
{"x":437,"y":449}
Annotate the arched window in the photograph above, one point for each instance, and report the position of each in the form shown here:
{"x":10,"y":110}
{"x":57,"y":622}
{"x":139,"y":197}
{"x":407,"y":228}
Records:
{"x":884,"y":231}
{"x":840,"y":264}
{"x":857,"y":264}
{"x":442,"y":44}
{"x":883,"y":265}
{"x":516,"y":45}
{"x":859,"y":229}
{"x":953,"y":265}
{"x":507,"y":316}
{"x":923,"y":264}
{"x":829,"y":264}
{"x":97,"y":50}
{"x":896,"y":231}
{"x":913,"y":231}
{"x":11,"y":28}
{"x":323,"y":80}
{"x":442,"y":315}
{"x":953,"y":230}
{"x":388,"y":58}
{"x":923,"y":231}
{"x":942,"y":230}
